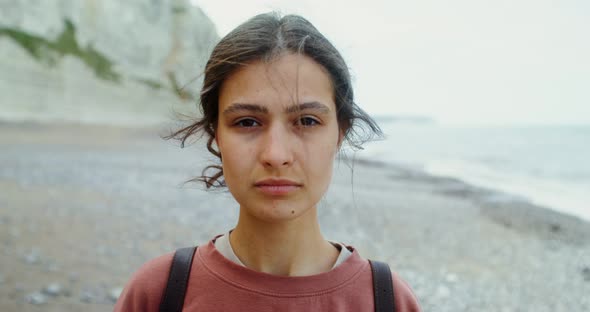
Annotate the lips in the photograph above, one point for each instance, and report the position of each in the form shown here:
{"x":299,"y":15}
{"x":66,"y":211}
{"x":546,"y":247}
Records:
{"x":277,"y":187}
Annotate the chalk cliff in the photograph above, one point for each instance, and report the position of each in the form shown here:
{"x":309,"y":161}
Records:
{"x":101,"y":61}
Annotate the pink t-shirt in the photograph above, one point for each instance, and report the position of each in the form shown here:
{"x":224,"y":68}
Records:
{"x":218,"y":284}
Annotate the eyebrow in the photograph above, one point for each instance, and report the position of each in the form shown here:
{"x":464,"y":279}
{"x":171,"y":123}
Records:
{"x":308,"y":105}
{"x":237,"y":107}
{"x":256,"y":108}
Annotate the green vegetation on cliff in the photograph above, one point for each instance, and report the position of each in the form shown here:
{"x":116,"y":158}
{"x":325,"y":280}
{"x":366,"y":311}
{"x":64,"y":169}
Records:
{"x":50,"y":51}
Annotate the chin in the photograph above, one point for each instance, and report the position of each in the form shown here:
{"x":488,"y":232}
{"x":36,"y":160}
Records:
{"x":279,"y":211}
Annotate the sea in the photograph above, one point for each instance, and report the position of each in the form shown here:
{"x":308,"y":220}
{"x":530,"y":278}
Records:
{"x":546,"y":165}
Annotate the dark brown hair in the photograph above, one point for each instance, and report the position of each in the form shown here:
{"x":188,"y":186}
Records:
{"x":265,"y":37}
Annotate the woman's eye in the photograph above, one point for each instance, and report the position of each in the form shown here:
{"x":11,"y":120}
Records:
{"x":307,"y":121}
{"x":247,"y":123}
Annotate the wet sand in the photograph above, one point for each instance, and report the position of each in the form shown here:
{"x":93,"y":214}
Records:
{"x":82,"y":207}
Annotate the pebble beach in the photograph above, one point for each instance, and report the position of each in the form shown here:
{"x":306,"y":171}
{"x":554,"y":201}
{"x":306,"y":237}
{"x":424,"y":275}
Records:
{"x":83,"y":206}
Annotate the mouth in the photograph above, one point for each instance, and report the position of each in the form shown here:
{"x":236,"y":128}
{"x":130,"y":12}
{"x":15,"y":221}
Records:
{"x":277,"y":187}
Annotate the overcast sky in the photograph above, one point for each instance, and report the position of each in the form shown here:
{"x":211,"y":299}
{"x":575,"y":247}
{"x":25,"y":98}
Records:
{"x":458,"y":61}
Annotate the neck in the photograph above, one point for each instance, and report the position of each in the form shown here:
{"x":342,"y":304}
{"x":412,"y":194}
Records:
{"x":289,"y":248}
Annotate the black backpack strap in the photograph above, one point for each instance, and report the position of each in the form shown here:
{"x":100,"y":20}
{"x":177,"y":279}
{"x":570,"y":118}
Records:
{"x":173,"y":298}
{"x":382,"y":286}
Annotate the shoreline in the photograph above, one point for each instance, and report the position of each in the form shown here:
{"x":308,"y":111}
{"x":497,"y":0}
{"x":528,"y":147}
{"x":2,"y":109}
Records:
{"x":508,"y":210}
{"x":543,"y":165}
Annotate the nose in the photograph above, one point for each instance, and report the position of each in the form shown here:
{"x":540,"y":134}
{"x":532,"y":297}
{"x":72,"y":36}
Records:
{"x":277,"y":149}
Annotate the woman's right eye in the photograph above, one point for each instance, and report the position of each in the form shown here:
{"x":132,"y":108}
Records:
{"x":247,"y":123}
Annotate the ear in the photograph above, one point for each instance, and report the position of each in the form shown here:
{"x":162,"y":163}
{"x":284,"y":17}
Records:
{"x":213,"y":132}
{"x":340,"y":138}
{"x":217,"y":144}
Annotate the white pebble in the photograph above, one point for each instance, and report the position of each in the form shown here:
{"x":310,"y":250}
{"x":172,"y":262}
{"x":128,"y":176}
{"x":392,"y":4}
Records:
{"x":54,"y":289}
{"x":115,"y":293}
{"x":36,"y":298}
{"x":87,"y":297}
{"x":451,"y":278}
{"x":443,"y":292}
{"x":32,"y":257}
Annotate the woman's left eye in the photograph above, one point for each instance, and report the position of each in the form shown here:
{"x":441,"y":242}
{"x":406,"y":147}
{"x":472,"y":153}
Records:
{"x":307,"y":121}
{"x":247,"y":123}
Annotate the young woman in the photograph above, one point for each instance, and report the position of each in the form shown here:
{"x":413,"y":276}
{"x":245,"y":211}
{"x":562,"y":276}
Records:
{"x":277,"y":104}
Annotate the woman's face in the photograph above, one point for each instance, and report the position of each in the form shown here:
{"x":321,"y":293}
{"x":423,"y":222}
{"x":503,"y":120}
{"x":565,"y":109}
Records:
{"x":278,"y":135}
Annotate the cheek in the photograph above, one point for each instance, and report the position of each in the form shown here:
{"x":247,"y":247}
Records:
{"x":232,"y":170}
{"x":320,"y":161}
{"x":236,"y":158}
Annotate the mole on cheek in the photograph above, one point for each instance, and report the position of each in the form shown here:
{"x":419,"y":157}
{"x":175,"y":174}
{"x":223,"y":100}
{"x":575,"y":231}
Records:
{"x":292,"y":211}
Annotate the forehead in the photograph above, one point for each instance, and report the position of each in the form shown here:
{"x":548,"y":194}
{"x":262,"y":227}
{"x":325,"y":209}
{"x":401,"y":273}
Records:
{"x":280,"y":82}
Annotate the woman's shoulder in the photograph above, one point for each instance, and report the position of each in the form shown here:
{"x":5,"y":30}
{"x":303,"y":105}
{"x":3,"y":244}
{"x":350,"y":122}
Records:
{"x":145,"y":288}
{"x":404,"y":297}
